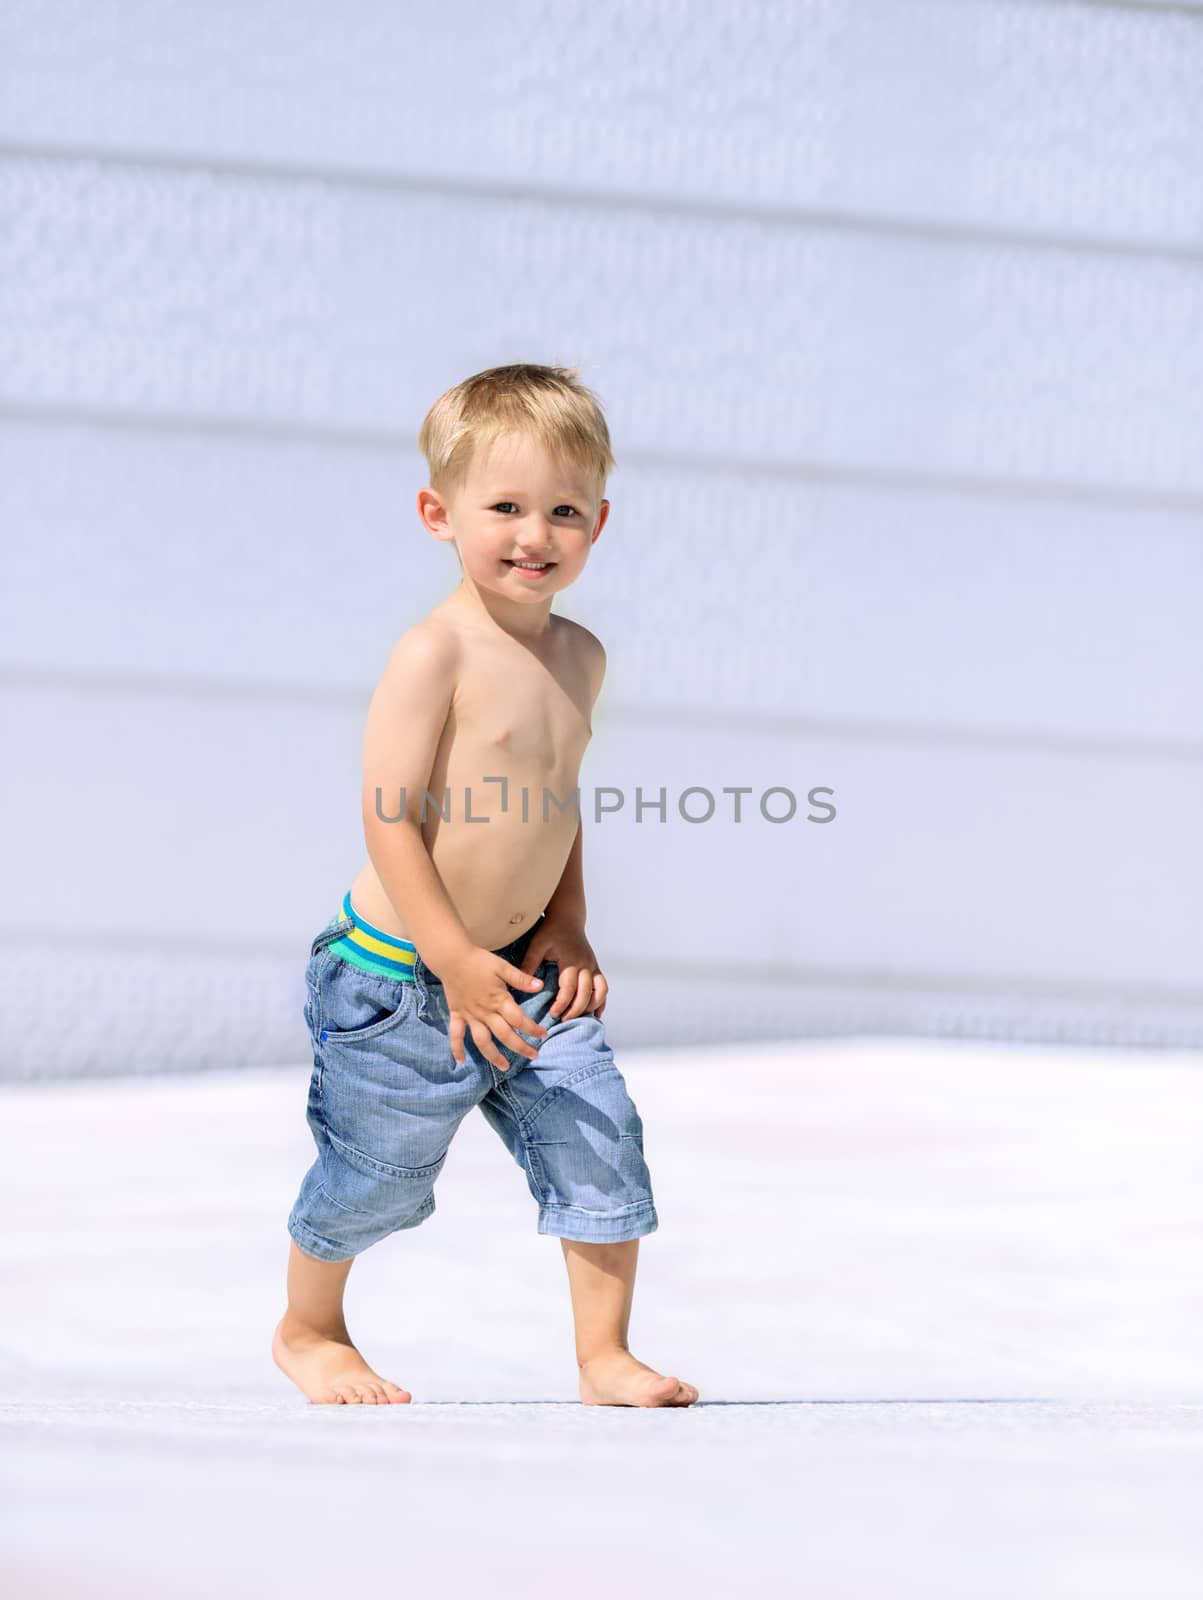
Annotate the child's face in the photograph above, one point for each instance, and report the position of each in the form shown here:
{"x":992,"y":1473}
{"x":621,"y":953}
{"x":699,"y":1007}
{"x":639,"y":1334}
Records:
{"x":518,"y":505}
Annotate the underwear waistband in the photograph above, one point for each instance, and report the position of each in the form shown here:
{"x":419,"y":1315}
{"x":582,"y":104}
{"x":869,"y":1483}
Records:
{"x":371,"y":948}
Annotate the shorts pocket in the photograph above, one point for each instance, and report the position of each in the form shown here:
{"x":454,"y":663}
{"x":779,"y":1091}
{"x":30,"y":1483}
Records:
{"x":350,"y":1004}
{"x":334,"y":929}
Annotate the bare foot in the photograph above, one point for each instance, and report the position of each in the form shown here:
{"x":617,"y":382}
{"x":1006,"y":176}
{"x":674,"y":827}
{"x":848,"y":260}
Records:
{"x":618,"y":1379}
{"x":331,"y":1371}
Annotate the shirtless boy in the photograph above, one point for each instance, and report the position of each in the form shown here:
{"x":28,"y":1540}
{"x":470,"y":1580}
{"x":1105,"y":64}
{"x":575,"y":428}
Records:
{"x":456,"y":972}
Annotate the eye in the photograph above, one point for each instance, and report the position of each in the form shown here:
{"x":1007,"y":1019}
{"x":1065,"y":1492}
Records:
{"x":570,"y":510}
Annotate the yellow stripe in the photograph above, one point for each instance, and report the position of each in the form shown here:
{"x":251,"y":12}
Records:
{"x":357,"y":936}
{"x":365,"y":941}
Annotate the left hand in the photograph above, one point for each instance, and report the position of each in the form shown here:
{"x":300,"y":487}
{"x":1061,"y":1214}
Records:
{"x":582,"y":987}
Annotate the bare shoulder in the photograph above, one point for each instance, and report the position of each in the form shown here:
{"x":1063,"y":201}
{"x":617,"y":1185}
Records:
{"x":588,"y":649}
{"x":407,"y":714}
{"x":428,"y":653}
{"x":422,"y":671}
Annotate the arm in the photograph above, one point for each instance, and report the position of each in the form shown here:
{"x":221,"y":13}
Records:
{"x":405,"y":721}
{"x":567,"y":904}
{"x":560,"y":936}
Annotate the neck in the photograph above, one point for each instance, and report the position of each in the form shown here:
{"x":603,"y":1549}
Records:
{"x":532,"y":623}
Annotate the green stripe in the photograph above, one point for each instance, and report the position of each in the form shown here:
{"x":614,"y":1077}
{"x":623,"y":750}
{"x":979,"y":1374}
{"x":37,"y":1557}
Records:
{"x":402,"y":963}
{"x":359,"y":958}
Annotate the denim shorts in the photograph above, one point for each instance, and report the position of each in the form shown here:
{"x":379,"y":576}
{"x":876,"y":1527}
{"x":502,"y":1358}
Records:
{"x":386,"y":1096}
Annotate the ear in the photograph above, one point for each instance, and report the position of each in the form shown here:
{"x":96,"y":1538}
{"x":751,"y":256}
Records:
{"x":433,"y":511}
{"x":602,"y":513}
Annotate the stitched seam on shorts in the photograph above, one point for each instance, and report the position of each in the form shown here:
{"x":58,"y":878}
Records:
{"x":311,"y":1233}
{"x":374,"y":1030}
{"x":596,"y":1065}
{"x":341,"y":1204}
{"x":384,"y":1167}
{"x":328,"y":936}
{"x":622,"y":1211}
{"x":534,"y":1163}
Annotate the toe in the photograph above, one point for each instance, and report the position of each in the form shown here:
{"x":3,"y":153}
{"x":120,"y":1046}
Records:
{"x":681,"y":1393}
{"x":663,"y":1390}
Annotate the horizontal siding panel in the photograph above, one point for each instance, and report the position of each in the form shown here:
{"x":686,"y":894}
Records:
{"x":1080,"y":118}
{"x":275,"y":303}
{"x":266,"y":567}
{"x":239,"y":824}
{"x":179,"y":860}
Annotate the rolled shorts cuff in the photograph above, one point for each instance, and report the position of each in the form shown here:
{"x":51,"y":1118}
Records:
{"x":599,"y":1227}
{"x":315,"y":1244}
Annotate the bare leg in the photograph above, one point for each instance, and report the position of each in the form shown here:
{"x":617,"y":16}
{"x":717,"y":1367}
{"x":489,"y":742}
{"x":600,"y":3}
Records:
{"x":311,"y":1343}
{"x":601,"y":1278}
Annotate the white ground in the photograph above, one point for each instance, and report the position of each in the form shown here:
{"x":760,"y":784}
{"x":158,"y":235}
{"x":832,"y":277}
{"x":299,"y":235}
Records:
{"x":943,"y":1302}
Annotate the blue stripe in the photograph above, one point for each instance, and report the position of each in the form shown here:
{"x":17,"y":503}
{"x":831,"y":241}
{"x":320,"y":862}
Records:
{"x":385,"y":963}
{"x":356,"y":956}
{"x":377,"y":933}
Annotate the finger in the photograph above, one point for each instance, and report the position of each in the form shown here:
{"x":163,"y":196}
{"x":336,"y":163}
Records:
{"x":455,"y":1034}
{"x":507,"y":1034}
{"x":572,"y":1009}
{"x":517,"y":1018}
{"x":584,"y":991}
{"x":564,"y":994}
{"x":599,"y":989}
{"x":583,"y":995}
{"x":484,"y":1043}
{"x":520,"y":979}
{"x":531,"y":960}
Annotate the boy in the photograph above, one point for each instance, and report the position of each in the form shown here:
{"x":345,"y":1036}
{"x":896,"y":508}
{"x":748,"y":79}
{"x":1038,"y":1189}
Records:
{"x":465,"y":929}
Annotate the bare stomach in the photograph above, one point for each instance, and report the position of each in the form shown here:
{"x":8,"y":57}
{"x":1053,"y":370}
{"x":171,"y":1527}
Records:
{"x":499,"y":890}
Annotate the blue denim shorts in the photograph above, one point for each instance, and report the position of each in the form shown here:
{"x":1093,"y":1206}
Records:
{"x":386,"y":1096}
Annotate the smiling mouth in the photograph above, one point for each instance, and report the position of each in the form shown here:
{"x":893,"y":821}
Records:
{"x":542,"y":566}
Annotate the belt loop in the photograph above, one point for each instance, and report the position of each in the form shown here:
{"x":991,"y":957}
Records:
{"x":329,"y":934}
{"x":420,"y":985}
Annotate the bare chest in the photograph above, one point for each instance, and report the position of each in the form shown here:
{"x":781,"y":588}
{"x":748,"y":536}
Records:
{"x":520,"y":719}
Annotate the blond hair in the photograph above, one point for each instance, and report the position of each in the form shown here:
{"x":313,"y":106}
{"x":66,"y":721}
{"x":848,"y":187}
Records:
{"x":547,"y":403}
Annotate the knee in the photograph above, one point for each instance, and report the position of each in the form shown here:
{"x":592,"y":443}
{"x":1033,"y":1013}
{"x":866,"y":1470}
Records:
{"x":352,"y":1200}
{"x":587,"y":1144}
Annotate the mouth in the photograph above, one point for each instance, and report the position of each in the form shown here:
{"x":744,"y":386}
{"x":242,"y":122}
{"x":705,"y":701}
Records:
{"x":539,"y":571}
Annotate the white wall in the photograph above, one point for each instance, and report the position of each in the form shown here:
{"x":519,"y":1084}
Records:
{"x":895,"y":309}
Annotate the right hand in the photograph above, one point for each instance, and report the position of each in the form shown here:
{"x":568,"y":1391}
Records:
{"x":477,"y":998}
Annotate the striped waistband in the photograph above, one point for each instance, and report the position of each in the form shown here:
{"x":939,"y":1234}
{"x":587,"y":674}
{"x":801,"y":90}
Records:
{"x":370,"y":948}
